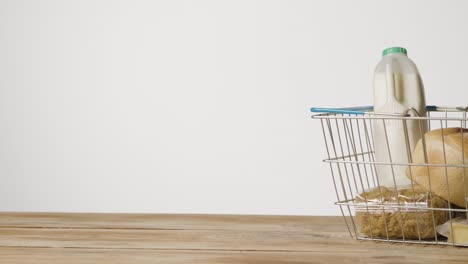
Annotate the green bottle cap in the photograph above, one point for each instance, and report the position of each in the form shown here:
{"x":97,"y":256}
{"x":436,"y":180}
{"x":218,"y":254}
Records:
{"x":394,"y":50}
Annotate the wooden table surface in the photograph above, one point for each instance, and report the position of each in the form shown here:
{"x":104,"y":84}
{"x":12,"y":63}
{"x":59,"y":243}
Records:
{"x":158,"y":238}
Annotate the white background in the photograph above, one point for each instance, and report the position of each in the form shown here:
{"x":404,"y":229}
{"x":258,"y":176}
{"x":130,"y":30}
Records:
{"x":198,"y":106}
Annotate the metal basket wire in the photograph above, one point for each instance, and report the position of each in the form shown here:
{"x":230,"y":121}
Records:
{"x":349,"y":141}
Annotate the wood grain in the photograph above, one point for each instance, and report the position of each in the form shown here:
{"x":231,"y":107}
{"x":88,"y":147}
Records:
{"x":104,"y":256}
{"x":171,"y":221}
{"x":144,"y":238}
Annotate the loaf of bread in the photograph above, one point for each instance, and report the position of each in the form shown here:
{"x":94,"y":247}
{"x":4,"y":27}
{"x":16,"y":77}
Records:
{"x":448,"y":182}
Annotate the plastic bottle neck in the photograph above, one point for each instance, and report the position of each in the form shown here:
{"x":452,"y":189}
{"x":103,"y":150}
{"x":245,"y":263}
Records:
{"x":395,"y":54}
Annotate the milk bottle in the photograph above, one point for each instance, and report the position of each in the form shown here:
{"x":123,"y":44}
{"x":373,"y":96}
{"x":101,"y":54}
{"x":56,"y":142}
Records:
{"x":398,"y":89}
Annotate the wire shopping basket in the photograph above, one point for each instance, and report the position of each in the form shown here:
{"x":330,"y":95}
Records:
{"x":432,"y":208}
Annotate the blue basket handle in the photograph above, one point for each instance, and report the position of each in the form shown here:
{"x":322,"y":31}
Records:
{"x":431,"y":108}
{"x":359,"y":110}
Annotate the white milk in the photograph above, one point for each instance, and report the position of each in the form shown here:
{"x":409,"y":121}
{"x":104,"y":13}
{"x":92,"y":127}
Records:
{"x":407,"y":92}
